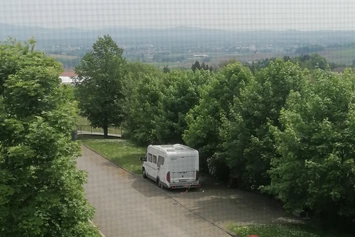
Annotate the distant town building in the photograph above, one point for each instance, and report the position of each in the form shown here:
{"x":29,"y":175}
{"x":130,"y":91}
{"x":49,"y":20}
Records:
{"x":67,"y":77}
{"x":200,"y":55}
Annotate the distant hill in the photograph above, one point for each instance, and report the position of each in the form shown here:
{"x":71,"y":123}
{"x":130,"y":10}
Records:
{"x":178,"y":36}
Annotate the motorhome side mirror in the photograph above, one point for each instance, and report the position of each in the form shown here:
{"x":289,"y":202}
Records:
{"x":143,"y":158}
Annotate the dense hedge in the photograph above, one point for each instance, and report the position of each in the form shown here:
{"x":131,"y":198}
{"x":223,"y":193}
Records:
{"x":284,"y":130}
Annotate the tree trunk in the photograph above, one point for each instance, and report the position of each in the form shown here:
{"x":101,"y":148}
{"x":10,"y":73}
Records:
{"x":105,"y":131}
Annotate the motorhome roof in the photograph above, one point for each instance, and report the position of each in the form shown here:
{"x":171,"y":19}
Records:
{"x":173,"y":148}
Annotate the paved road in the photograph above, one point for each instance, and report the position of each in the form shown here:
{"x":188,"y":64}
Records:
{"x":130,"y":206}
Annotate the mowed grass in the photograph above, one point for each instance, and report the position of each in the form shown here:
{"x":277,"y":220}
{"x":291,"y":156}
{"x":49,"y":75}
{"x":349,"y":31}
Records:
{"x":282,"y":230}
{"x":121,"y":152}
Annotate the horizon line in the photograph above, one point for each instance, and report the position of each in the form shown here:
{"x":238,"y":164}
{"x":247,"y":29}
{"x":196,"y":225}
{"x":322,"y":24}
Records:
{"x":170,"y":28}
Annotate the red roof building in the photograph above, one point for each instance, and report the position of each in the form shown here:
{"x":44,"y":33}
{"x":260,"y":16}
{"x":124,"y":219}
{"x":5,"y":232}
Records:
{"x":68,"y":74}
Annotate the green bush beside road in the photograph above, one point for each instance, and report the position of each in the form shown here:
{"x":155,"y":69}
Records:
{"x":282,"y":230}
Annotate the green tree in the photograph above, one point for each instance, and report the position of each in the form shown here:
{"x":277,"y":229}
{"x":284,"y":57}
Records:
{"x":205,"y":119}
{"x":311,"y":62}
{"x":143,"y":92}
{"x":41,"y":190}
{"x":316,"y":166}
{"x":181,"y":93}
{"x":196,"y":66}
{"x":101,"y":84}
{"x":143,"y":110}
{"x":166,"y":69}
{"x":247,"y":143}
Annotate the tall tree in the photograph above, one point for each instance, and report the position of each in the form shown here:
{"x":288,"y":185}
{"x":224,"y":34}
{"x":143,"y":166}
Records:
{"x":316,"y":166}
{"x":180,"y":95}
{"x":100,"y":84}
{"x":246,"y":141}
{"x":143,"y":109}
{"x":205,"y":119}
{"x":41,"y":190}
{"x":196,"y":66}
{"x":166,"y":69}
{"x":143,"y":92}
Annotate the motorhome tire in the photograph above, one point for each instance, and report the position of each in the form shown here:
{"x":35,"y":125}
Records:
{"x":160,"y":184}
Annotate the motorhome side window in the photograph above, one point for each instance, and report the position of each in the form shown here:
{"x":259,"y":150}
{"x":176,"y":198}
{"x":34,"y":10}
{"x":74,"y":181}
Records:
{"x":160,"y":161}
{"x":149,"y":157}
{"x":154,"y":159}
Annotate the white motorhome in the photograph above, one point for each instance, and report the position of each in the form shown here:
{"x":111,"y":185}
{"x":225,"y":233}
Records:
{"x":172,"y":166}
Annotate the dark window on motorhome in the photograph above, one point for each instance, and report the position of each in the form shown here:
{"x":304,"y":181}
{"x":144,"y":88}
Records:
{"x":154,"y":159}
{"x":161,"y":160}
{"x":149,"y":157}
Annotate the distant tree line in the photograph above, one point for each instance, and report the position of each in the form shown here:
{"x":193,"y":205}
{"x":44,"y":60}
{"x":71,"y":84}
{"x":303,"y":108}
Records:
{"x":198,"y":66}
{"x":167,"y":58}
{"x":309,"y":49}
{"x":69,"y":62}
{"x":305,"y":61}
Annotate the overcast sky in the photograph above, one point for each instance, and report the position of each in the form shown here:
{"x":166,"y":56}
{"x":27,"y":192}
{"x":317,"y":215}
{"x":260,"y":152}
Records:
{"x":216,"y":14}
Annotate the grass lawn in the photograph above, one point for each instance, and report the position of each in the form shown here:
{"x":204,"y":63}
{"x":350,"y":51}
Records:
{"x":282,"y":230}
{"x":121,"y":152}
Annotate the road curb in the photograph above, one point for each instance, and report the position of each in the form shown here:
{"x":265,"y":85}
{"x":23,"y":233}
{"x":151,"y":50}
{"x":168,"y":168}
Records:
{"x":133,"y":174}
{"x":92,"y":223}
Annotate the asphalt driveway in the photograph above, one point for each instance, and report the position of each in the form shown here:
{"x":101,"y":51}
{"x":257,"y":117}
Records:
{"x":128,"y":205}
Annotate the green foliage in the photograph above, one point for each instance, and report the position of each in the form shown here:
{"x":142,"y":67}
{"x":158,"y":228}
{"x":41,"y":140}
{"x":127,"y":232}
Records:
{"x":205,"y":119}
{"x":136,"y":71}
{"x":306,"y":61}
{"x":226,"y":62}
{"x":260,"y":64}
{"x":143,"y":93}
{"x":311,"y":62}
{"x":283,"y":230}
{"x":101,"y":84}
{"x":41,"y":190}
{"x":309,"y":49}
{"x":166,"y":69}
{"x":247,"y":143}
{"x":198,"y":66}
{"x":316,"y":139}
{"x":143,"y":109}
{"x":158,"y":102}
{"x":181,"y":93}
